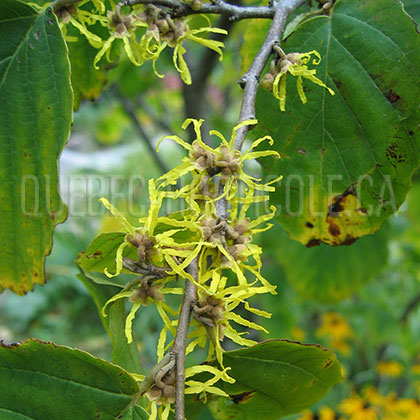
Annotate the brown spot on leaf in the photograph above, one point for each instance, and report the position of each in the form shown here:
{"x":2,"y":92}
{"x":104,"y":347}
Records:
{"x":313,"y":242}
{"x":339,"y":201}
{"x":349,"y":240}
{"x":309,"y":225}
{"x":393,"y":152}
{"x":334,"y":229}
{"x":53,"y":215}
{"x":8,"y":346}
{"x":327,"y":363}
{"x":301,"y":151}
{"x":411,"y":133}
{"x":96,"y":254}
{"x":392,"y":96}
{"x":243,"y":396}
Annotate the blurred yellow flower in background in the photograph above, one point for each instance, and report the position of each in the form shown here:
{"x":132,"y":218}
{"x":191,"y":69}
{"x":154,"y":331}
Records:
{"x":389,"y":368}
{"x":335,"y":329}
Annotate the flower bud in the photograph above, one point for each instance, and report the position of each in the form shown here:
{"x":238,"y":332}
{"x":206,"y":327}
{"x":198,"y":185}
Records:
{"x":154,"y":393}
{"x":196,"y":5}
{"x":168,"y":393}
{"x":163,"y":26}
{"x":267,"y":82}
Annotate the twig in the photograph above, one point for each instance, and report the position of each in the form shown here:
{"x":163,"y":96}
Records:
{"x":180,"y":344}
{"x":411,"y":306}
{"x":149,"y":380}
{"x":250,"y":80}
{"x":249,"y":83}
{"x":218,"y":7}
{"x":128,"y":107}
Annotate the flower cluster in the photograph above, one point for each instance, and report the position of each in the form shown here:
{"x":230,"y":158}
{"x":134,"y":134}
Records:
{"x":145,"y":32}
{"x":370,"y":405}
{"x":296,"y":65}
{"x":229,"y":263}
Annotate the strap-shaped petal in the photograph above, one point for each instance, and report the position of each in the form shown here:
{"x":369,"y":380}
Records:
{"x":115,"y":212}
{"x":129,"y":321}
{"x":120,"y":295}
{"x":105,"y":47}
{"x":118,"y":261}
{"x":242,"y":321}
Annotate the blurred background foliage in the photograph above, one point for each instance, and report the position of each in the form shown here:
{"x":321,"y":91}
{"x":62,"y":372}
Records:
{"x":362,"y":301}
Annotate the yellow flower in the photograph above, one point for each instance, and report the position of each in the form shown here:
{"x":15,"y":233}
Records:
{"x":296,"y":65}
{"x":415,"y":369}
{"x":356,"y":409}
{"x":191,"y":34}
{"x":80,"y":19}
{"x":306,"y":415}
{"x":325,"y":413}
{"x":123,"y":27}
{"x":389,"y":368}
{"x":298,"y":334}
{"x":161,"y":32}
{"x":204,"y":161}
{"x":372,"y":396}
{"x":335,"y":328}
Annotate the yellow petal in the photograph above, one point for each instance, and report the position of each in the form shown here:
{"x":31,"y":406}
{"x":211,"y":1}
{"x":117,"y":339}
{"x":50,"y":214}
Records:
{"x":118,"y":261}
{"x":153,"y":411}
{"x":166,"y":411}
{"x":176,"y":139}
{"x":161,"y":343}
{"x":242,"y":321}
{"x":220,"y":135}
{"x":236,"y":337}
{"x":93,"y":39}
{"x":129,"y":321}
{"x":129,"y":52}
{"x":120,"y":295}
{"x":255,"y":311}
{"x":115,"y":212}
{"x":102,"y":51}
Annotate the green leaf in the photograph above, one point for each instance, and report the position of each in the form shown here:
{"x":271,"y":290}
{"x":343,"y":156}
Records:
{"x":35,"y":120}
{"x":413,"y":9}
{"x":123,"y":354}
{"x":101,"y":253}
{"x":274,"y":379}
{"x":325,"y":273}
{"x":46,"y":381}
{"x":253,"y":39}
{"x":347,"y":159}
{"x":87,"y":82}
{"x":135,"y":413}
{"x":100,"y":294}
